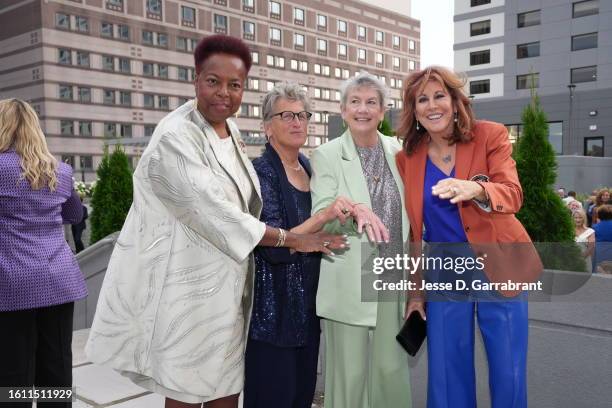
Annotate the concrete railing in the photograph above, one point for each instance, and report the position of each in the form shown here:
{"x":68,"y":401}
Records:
{"x":570,"y":339}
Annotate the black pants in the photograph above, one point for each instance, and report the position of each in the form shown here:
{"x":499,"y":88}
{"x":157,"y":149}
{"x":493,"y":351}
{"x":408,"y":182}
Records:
{"x":281,"y":377}
{"x":36,"y":349}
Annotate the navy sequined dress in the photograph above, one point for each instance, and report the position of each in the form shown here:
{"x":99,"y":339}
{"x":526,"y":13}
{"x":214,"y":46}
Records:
{"x":285,"y":284}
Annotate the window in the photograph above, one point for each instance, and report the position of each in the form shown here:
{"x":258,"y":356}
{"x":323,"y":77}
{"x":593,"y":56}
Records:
{"x":379,"y":58}
{"x":109,"y":96}
{"x":555,"y":136}
{"x":480,"y":87}
{"x":411,"y":65}
{"x":346,"y":73}
{"x":584,"y":74}
{"x":162,"y":40}
{"x":253,"y":84}
{"x":298,"y":15}
{"x":82,"y":59}
{"x":396,"y":63}
{"x":82,"y":24}
{"x":337,"y":72}
{"x":220,"y":23}
{"x":361,"y":33}
{"x":269,"y":85}
{"x":86,"y":162}
{"x":585,"y":8}
{"x":148,"y":101}
{"x":342,"y":26}
{"x":147,"y":37}
{"x":183,"y":74}
{"x":594,"y":146}
{"x":64,"y":56}
{"x":115,"y":4}
{"x":255,"y":57}
{"x":65,"y":92}
{"x":110,"y":129}
{"x":321,"y":21}
{"x":108,"y":62}
{"x":380,"y":37}
{"x":480,"y":57}
{"x":148,"y":130}
{"x":270,"y":60}
{"x":475,"y":3}
{"x":248,"y":29}
{"x":361,"y":54}
{"x":125,"y":130}
{"x":62,"y":21}
{"x":154,"y":7}
{"x":164,"y":102}
{"x":298,"y":40}
{"x":68,"y":159}
{"x":530,"y":18}
{"x":84,"y":94}
{"x":188,"y":15}
{"x":411,"y":45}
{"x":396,"y":41}
{"x":275,"y":35}
{"x":162,"y":71}
{"x":182,"y":43}
{"x":124,"y":32}
{"x":528,"y":50}
{"x":124,"y":65}
{"x":584,"y":41}
{"x":528,"y":81}
{"x":322,"y":45}
{"x":125,"y":98}
{"x":106,"y":30}
{"x":147,"y":69}
{"x":275,"y":9}
{"x":84,"y":128}
{"x":342,"y":50}
{"x":480,"y":28}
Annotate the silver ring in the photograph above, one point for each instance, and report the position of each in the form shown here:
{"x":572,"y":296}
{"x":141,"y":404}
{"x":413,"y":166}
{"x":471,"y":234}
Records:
{"x":345,"y":211}
{"x":326,"y":243}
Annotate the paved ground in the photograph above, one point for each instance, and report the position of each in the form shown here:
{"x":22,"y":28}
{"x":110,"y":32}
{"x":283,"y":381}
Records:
{"x":98,"y":386}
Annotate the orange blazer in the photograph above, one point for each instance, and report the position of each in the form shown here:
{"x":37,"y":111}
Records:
{"x":487,"y":154}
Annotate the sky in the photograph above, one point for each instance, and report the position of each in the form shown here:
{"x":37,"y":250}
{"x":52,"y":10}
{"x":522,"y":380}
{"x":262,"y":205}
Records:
{"x":436,"y":18}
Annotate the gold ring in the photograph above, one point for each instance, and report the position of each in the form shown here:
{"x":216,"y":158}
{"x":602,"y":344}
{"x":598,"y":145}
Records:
{"x":326,"y":243}
{"x":345,"y":211}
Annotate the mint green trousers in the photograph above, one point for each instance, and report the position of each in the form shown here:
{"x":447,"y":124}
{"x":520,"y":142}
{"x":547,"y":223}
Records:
{"x":365,"y":367}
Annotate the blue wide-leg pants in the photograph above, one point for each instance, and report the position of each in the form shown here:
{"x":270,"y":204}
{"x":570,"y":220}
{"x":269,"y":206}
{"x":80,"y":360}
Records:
{"x":450,"y":348}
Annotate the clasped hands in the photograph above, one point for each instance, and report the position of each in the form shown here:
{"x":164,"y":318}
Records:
{"x":366,"y":221}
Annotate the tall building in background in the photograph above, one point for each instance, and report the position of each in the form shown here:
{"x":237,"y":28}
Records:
{"x":561,"y":47}
{"x":100,"y":72}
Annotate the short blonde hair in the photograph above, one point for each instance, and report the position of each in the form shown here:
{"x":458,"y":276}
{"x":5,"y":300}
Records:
{"x":20,"y":130}
{"x":582,"y":215}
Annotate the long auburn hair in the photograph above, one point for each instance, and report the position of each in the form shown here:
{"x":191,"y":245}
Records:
{"x":413,"y":86}
{"x":20,"y":130}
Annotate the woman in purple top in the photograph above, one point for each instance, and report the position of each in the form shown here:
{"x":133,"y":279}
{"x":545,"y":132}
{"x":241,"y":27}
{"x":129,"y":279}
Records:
{"x":39,"y":276}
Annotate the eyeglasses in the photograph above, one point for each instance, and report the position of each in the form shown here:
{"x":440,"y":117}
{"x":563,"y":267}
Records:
{"x":288,"y":116}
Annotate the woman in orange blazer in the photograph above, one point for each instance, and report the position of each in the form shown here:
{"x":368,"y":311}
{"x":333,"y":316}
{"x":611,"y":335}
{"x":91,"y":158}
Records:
{"x":461,"y":185}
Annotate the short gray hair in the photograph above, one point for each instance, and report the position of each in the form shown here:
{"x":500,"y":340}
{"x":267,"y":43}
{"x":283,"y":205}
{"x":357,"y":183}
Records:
{"x":364,"y":78}
{"x":284,"y":90}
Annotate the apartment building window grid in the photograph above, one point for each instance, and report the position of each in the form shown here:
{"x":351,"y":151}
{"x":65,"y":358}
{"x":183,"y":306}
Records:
{"x":188,"y":16}
{"x":248,"y":6}
{"x":220,"y":22}
{"x":594,"y":146}
{"x":82,"y":24}
{"x":298,"y":41}
{"x":82,"y":59}
{"x":162,"y":71}
{"x":274,"y":9}
{"x":361,"y":55}
{"x":106,"y":30}
{"x":528,"y":50}
{"x":298,"y":16}
{"x":255,"y":57}
{"x":321,"y":22}
{"x":183,"y":74}
{"x":584,"y":41}
{"x":380,"y":59}
{"x":528,"y":19}
{"x":116,"y":5}
{"x":65,"y":92}
{"x":583,"y":74}
{"x":380,"y":37}
{"x":396,"y":63}
{"x":64,"y":56}
{"x":321,"y":46}
{"x":125,"y":98}
{"x":585,"y":8}
{"x":342,"y":28}
{"x":123,"y":32}
{"x":162,"y":40}
{"x":154,"y":9}
{"x":480,"y":28}
{"x":342,"y":51}
{"x":528,"y":81}
{"x":62,"y":21}
{"x":361,"y":33}
{"x":148,"y":101}
{"x":480,"y":87}
{"x":275,"y":36}
{"x":480,"y":57}
{"x":124,"y":65}
{"x":147,"y":37}
{"x":84,"y":94}
{"x":85,"y":128}
{"x":148,"y":69}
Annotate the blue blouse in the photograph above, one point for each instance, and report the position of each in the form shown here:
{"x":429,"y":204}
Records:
{"x":285,"y":283}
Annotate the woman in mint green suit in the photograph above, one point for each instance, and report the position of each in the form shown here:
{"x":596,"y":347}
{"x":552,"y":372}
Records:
{"x":365,"y":366}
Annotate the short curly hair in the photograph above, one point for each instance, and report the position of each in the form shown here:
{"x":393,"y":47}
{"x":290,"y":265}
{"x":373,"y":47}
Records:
{"x":222,"y":44}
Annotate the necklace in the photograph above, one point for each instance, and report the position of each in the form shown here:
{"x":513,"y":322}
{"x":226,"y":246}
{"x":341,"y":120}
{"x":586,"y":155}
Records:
{"x":298,"y":168}
{"x":447,"y":158}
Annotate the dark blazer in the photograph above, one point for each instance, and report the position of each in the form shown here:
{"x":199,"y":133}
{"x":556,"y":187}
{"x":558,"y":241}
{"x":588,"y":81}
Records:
{"x":487,"y":154}
{"x":285,"y":283}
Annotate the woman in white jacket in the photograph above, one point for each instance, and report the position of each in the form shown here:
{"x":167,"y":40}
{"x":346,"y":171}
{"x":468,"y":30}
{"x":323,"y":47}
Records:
{"x":175,"y":303}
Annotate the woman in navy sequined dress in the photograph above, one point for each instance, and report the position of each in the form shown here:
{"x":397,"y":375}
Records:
{"x":283,"y":344}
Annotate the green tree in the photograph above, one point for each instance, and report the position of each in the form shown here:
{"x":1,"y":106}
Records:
{"x":544,"y":215}
{"x":385,"y":127}
{"x":112,"y":196}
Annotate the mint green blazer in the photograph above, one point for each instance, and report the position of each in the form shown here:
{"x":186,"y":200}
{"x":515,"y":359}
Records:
{"x":337,"y":172}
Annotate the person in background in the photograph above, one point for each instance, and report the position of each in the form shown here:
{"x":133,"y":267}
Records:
{"x":365,"y":367}
{"x":602,"y":198}
{"x":462,"y":186}
{"x":561,"y":192}
{"x":584,"y":236}
{"x":283,"y":346}
{"x":39,"y":277}
{"x":175,"y":304}
{"x":78,"y":228}
{"x":603,"y":239}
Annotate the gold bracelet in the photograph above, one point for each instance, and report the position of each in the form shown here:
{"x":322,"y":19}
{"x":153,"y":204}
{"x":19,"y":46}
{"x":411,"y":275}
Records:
{"x":282,"y":235}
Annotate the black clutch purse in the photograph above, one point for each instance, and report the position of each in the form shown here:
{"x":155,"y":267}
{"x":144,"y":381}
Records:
{"x":413,"y":333}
